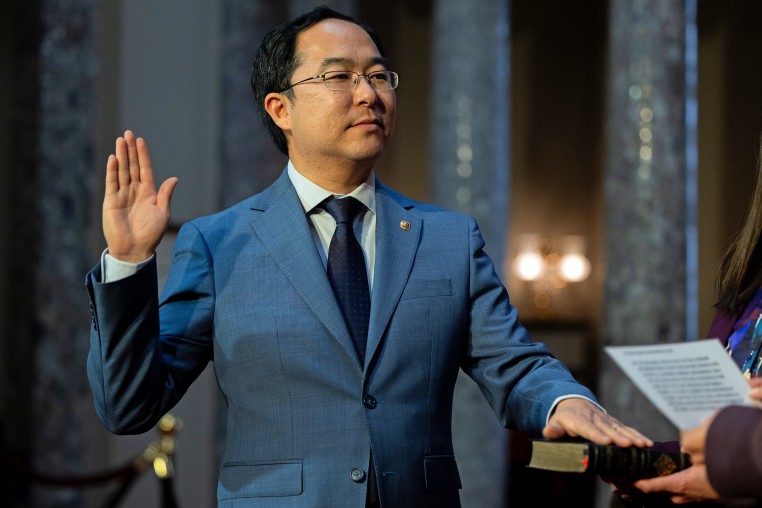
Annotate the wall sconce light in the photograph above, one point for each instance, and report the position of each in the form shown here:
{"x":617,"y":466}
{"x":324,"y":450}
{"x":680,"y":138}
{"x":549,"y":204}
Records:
{"x":548,"y":265}
{"x":537,"y":259}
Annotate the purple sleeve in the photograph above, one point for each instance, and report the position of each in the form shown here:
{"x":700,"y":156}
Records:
{"x":722,"y":326}
{"x":734,"y":455}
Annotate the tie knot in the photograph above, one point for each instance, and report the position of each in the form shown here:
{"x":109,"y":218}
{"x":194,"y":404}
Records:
{"x":344,"y":209}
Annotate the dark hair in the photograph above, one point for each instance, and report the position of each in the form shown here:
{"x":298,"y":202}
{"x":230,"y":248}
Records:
{"x":276,"y":60}
{"x":740,"y":273}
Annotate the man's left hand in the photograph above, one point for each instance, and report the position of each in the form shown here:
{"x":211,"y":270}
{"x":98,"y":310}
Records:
{"x":581,"y":418}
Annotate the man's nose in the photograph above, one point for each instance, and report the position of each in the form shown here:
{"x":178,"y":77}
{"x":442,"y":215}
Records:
{"x":365,"y":88}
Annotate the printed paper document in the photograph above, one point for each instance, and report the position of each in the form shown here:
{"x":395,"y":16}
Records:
{"x":686,"y":381}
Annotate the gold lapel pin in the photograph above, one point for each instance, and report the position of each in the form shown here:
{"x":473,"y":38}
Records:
{"x":404,"y":225}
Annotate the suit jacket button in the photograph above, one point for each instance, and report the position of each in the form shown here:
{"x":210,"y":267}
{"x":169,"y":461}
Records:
{"x":357,"y":475}
{"x":369,"y":401}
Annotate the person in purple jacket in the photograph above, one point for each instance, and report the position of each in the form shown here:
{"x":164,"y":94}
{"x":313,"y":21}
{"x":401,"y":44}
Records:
{"x":726,"y":450}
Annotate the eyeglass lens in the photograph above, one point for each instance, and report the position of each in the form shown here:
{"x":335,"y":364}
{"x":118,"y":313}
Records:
{"x":349,"y":80}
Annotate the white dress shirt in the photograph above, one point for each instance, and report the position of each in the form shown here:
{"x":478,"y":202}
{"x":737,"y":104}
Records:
{"x":323,"y":225}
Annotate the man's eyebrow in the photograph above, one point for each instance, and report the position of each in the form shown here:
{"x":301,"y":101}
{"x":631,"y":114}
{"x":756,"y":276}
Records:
{"x":328,"y":62}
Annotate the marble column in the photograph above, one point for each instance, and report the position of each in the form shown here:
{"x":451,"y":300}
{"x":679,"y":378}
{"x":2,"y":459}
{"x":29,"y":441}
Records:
{"x":649,"y":194}
{"x":47,"y":399}
{"x":469,"y":168}
{"x":250,"y":160}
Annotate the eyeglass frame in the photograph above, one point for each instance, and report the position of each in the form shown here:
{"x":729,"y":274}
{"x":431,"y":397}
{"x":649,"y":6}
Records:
{"x":395,"y":78}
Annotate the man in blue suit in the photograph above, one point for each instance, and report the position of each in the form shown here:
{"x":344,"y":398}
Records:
{"x":331,"y":401}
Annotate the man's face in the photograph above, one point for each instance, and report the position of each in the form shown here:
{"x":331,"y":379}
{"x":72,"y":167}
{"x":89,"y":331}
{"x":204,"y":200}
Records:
{"x":336,"y":127}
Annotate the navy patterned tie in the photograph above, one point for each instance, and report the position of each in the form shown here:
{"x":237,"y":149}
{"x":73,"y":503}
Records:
{"x":347,"y":272}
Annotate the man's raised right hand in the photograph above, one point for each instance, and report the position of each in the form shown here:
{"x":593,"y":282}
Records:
{"x":135,"y":215}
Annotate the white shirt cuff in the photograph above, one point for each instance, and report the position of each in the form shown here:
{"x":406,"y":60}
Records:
{"x":113,"y":269}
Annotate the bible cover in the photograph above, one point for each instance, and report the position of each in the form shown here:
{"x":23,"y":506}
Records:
{"x":607,"y":460}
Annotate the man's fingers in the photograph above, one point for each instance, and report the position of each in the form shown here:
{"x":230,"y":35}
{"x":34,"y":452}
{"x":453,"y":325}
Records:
{"x":132,"y":156}
{"x":593,"y":424}
{"x":112,"y":175}
{"x":123,"y":173}
{"x":636,"y":437}
{"x":164,"y":197}
{"x":614,"y":428}
{"x":132,"y":163}
{"x":144,"y":162}
{"x":553,"y":431}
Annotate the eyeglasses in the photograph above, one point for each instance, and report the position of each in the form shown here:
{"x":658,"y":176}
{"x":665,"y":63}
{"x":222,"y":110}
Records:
{"x":348,"y":81}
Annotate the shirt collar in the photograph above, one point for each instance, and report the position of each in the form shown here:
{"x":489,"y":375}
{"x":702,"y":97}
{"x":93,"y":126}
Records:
{"x":311,"y":194}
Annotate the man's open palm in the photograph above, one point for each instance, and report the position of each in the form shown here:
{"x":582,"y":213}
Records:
{"x":135,"y":215}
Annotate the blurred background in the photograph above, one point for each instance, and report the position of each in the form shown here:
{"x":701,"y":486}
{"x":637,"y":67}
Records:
{"x":607,"y":149}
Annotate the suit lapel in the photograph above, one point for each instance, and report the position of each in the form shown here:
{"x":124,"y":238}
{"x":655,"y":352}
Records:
{"x":395,"y":251}
{"x":282,"y":227}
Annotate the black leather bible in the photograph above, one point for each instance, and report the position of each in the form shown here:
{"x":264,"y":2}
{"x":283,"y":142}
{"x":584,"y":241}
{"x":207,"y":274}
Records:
{"x":608,"y":460}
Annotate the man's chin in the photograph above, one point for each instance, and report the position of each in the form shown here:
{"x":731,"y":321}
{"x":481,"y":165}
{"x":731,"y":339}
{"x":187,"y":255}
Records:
{"x":368,"y":152}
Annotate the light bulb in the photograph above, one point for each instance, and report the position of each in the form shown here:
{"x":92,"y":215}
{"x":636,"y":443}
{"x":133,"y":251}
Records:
{"x":574,"y":267}
{"x":529,"y":266}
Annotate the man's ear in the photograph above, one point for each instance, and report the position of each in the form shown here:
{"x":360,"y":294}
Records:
{"x":277,"y":106}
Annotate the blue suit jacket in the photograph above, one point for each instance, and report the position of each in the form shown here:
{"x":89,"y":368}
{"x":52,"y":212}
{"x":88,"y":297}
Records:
{"x":248,"y":291}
